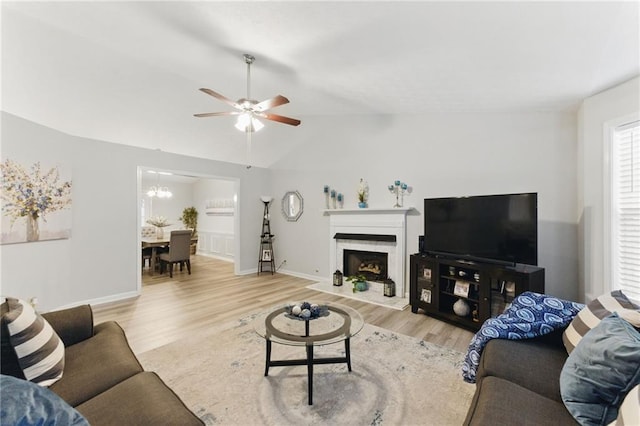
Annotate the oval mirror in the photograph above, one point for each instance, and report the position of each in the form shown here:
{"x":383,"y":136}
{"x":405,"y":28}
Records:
{"x":292,"y":206}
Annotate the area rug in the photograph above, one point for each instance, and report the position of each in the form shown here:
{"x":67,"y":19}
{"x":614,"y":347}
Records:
{"x":396,"y":380}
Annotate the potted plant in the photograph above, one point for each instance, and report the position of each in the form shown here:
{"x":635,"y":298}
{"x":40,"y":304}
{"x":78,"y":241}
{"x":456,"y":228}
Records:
{"x":359,"y":282}
{"x":190,"y":219}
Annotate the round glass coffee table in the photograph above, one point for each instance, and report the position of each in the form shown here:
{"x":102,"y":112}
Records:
{"x":339,"y":324}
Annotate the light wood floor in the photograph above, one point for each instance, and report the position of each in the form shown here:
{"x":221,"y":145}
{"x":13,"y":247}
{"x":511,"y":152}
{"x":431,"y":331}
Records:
{"x":170,"y":309}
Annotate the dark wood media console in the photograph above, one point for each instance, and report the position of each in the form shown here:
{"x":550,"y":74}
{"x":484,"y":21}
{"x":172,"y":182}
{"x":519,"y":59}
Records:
{"x":485,"y":289}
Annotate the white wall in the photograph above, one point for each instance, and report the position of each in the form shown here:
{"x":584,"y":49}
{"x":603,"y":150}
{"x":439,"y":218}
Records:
{"x":205,"y":190}
{"x":438,"y":155}
{"x":595,"y":111}
{"x":216,"y":232}
{"x":100,"y":261}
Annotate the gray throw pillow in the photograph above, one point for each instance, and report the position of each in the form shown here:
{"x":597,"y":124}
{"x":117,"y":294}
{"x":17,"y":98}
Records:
{"x":600,"y":371}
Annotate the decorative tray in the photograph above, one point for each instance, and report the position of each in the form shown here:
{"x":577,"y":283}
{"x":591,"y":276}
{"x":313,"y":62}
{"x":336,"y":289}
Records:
{"x":306,"y":311}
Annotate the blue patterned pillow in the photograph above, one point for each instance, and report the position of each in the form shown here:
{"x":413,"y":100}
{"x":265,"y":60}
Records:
{"x":26,"y":403}
{"x":600,"y":371}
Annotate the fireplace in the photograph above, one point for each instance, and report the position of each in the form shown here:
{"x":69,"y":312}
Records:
{"x":371,"y":264}
{"x":374,"y":232}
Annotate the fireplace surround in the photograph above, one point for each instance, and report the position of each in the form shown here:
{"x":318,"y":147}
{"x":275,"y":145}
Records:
{"x":379,"y":231}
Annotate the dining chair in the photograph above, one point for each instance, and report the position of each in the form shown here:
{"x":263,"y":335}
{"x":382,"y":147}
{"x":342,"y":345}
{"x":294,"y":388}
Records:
{"x":147,"y":252}
{"x":148,"y":231}
{"x":179,"y":251}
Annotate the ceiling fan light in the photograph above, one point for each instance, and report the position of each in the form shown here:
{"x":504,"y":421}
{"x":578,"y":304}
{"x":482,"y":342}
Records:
{"x":247,"y":123}
{"x":243,"y":122}
{"x":257,"y":124}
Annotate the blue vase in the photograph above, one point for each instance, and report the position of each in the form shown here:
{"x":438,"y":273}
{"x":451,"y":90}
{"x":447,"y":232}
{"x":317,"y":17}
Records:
{"x":362,"y":205}
{"x":362,"y":286}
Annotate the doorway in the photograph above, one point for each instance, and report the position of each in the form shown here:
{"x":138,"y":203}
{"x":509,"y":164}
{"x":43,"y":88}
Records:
{"x":215,"y":198}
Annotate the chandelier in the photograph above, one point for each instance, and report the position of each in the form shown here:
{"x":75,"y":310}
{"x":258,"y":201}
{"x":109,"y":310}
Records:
{"x":157,"y":190}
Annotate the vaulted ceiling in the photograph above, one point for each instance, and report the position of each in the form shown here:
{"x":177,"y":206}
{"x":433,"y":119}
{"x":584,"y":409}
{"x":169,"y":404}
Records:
{"x":129,"y":72}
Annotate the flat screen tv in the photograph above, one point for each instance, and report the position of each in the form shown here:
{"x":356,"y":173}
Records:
{"x":501,"y":228}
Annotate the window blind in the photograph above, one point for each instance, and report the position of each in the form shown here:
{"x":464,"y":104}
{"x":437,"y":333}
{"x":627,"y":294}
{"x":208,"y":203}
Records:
{"x":626,"y":209}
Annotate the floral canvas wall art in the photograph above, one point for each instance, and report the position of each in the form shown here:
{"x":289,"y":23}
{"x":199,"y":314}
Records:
{"x":35,"y":201}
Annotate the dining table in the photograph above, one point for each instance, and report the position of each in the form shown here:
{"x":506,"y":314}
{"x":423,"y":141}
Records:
{"x":154,"y":243}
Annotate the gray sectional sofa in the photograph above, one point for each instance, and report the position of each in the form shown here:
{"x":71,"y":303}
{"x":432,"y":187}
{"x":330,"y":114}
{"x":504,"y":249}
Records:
{"x":518,"y":383}
{"x":103,"y":379}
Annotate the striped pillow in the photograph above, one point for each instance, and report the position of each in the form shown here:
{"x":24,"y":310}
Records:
{"x":39,"y":349}
{"x":591,"y":315}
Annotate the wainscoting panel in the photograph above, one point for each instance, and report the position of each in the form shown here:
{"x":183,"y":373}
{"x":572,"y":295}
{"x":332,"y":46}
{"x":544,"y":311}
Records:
{"x":217,"y":244}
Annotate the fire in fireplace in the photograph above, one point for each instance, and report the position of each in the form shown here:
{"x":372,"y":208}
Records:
{"x":371,"y":264}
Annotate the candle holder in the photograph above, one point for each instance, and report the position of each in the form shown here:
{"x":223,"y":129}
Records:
{"x":398,"y":188}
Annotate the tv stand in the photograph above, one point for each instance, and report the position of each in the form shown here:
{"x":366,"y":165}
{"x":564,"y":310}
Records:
{"x":484,"y":289}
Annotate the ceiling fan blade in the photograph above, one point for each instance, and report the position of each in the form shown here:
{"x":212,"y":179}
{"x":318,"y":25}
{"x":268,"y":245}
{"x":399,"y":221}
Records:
{"x":221,"y":97}
{"x":270,"y":103}
{"x":280,"y":118}
{"x":216,"y":114}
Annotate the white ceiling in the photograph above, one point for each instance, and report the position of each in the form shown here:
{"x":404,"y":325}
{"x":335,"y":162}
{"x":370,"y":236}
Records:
{"x":129,"y":72}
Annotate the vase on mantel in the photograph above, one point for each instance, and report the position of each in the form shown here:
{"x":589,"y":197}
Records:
{"x":159,"y":232}
{"x":362,"y":204}
{"x":33,"y":228}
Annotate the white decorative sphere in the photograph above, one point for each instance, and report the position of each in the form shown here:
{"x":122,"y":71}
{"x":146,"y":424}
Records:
{"x":305,"y":313}
{"x":314,"y":305}
{"x":461,"y":308}
{"x":296,"y":310}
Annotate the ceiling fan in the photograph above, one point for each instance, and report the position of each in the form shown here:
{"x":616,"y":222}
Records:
{"x":249,"y":109}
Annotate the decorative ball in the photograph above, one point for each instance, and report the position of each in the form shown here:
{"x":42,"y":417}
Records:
{"x":305,"y":313}
{"x":296,"y":310}
{"x":315,"y":310}
{"x":305,"y":305}
{"x":461,"y":308}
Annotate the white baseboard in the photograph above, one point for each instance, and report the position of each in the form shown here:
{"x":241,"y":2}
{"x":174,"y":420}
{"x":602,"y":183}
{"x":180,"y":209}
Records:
{"x":300,"y":275}
{"x":101,"y":300}
{"x":284,"y":272}
{"x":215,"y":256}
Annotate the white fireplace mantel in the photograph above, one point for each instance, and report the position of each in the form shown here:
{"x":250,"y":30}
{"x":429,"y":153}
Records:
{"x":367,"y":211}
{"x":384,"y":221}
